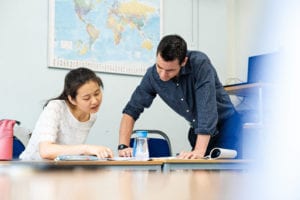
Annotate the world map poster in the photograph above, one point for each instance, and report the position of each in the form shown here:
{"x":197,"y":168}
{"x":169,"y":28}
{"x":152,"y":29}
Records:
{"x":113,"y":36}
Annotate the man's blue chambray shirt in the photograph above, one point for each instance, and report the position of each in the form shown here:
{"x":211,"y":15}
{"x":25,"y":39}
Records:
{"x":196,"y":94}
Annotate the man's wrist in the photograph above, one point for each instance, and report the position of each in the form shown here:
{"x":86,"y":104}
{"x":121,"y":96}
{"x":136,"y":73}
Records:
{"x":122,"y":146}
{"x":200,"y":152}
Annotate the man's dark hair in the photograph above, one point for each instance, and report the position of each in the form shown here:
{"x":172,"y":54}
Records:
{"x":172,"y":47}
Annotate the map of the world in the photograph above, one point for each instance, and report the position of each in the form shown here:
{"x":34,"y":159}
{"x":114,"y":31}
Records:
{"x":115,"y":36}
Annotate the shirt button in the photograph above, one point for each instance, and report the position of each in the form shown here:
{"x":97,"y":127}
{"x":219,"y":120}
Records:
{"x":182,"y":99}
{"x":194,"y":120}
{"x":177,"y":84}
{"x":187,"y":111}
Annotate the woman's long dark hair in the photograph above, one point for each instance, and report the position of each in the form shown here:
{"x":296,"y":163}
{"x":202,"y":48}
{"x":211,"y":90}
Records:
{"x":74,"y":80}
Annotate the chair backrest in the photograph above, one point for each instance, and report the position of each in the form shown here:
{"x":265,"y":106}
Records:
{"x":158,"y":143}
{"x":18,"y":147}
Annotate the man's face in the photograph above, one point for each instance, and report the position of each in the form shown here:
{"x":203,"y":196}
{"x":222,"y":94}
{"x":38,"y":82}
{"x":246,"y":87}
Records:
{"x":167,"y":69}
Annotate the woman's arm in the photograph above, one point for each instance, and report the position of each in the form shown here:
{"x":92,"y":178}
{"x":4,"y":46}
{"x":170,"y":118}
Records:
{"x":49,"y":150}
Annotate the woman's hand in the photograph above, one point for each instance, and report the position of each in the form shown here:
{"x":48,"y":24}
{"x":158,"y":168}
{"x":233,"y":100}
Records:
{"x":49,"y":150}
{"x":100,"y":151}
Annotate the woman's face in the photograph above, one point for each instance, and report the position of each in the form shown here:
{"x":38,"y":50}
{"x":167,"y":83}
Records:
{"x":89,"y":97}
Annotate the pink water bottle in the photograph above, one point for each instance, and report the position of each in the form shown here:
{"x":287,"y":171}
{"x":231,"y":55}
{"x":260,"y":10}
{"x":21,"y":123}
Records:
{"x":6,"y":139}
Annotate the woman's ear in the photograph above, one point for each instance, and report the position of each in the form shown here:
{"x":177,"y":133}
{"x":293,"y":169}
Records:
{"x":71,"y":100}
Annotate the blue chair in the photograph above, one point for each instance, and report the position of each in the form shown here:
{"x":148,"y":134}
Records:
{"x":158,"y":143}
{"x":18,"y":147}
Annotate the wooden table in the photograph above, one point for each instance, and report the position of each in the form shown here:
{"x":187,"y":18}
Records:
{"x":123,"y":165}
{"x":245,"y":89}
{"x":218,"y":164}
{"x":156,"y":164}
{"x":24,"y":182}
{"x":258,"y":90}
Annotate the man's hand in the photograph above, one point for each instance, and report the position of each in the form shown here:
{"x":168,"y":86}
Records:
{"x":196,"y":154}
{"x":127,"y":152}
{"x":200,"y":148}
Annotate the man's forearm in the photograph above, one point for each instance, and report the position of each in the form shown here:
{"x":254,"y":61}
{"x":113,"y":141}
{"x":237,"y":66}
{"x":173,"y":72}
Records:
{"x":202,"y":143}
{"x":126,"y":127}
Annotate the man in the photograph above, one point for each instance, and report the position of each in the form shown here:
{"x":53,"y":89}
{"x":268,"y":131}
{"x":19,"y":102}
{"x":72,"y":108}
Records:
{"x":188,"y":83}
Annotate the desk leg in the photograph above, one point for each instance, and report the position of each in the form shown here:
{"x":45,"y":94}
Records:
{"x":166,"y":168}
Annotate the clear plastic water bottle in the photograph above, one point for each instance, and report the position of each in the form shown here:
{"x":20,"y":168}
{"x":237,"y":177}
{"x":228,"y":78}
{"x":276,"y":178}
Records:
{"x":140,"y":148}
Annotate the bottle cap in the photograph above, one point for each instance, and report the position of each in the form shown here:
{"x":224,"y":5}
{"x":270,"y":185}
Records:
{"x":142,"y":133}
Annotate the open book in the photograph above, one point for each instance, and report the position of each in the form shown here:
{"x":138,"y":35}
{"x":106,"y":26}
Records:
{"x":221,"y":153}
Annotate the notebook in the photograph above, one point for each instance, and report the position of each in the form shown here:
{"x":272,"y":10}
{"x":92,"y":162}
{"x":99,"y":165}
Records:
{"x":76,"y":157}
{"x":221,"y":153}
{"x":89,"y":158}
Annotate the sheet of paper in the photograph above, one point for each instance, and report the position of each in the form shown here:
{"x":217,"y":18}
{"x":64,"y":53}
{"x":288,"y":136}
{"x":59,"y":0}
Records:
{"x":164,"y":158}
{"x":120,"y":158}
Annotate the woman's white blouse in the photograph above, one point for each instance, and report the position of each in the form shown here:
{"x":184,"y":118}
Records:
{"x":57,"y":124}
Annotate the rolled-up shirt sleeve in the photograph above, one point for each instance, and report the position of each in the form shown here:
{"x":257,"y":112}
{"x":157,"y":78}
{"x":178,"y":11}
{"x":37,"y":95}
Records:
{"x":205,"y":99}
{"x":141,"y":98}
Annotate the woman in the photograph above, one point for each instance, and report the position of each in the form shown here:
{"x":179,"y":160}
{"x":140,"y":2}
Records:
{"x":66,"y":120}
